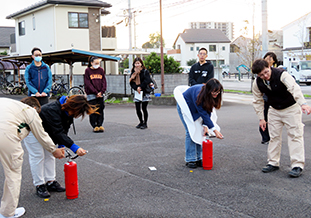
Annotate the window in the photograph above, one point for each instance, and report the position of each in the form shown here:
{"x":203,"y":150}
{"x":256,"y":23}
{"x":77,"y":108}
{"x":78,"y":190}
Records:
{"x":223,"y":48}
{"x":78,"y":20}
{"x":191,"y":48}
{"x":309,"y":34}
{"x":220,"y":62}
{"x":178,"y":46}
{"x":21,"y":28}
{"x":202,"y":25}
{"x":12,"y":38}
{"x":213,"y":62}
{"x":198,"y":48}
{"x":212,"y":48}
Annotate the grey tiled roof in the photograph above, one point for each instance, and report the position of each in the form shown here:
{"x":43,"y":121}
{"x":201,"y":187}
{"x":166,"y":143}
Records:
{"x":5,"y":33}
{"x":88,"y":3}
{"x":204,"y":36}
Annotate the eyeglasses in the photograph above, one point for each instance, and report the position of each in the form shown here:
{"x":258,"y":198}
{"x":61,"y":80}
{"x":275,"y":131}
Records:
{"x":202,"y":54}
{"x":216,"y":93}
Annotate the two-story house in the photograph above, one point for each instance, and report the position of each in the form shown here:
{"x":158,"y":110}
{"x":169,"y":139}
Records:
{"x":5,"y":35}
{"x":54,"y":25}
{"x":188,"y":43}
{"x":297,"y":40}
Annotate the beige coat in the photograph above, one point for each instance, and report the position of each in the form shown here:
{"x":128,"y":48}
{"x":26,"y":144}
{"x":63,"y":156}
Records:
{"x":292,"y":87}
{"x":13,"y":113}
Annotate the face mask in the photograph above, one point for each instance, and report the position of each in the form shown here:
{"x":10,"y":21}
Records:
{"x":95,"y":66}
{"x":38,"y":58}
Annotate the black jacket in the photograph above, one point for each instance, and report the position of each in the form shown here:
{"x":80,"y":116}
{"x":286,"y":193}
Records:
{"x":145,"y":80}
{"x":56,"y":123}
{"x":278,"y":96}
{"x":201,"y":73}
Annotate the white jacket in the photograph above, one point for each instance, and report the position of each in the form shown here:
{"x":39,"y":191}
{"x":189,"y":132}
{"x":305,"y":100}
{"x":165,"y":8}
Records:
{"x":195,"y":128}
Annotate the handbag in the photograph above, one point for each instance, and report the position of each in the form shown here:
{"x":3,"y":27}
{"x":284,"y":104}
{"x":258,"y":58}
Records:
{"x":148,"y":89}
{"x":154,"y":82}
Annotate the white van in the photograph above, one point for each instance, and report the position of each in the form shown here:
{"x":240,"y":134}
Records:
{"x":301,"y":71}
{"x":185,"y":69}
{"x":127,"y":71}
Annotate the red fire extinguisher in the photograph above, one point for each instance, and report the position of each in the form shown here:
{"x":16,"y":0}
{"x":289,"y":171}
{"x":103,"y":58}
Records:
{"x":71,"y":177}
{"x":207,"y":154}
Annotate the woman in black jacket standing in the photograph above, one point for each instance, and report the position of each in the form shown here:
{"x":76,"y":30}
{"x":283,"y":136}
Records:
{"x":140,"y":81}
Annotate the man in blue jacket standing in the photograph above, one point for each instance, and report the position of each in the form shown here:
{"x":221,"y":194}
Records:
{"x":38,"y":77}
{"x":201,"y":71}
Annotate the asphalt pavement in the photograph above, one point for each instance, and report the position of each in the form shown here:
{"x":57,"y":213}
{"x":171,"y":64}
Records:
{"x":115,"y":179}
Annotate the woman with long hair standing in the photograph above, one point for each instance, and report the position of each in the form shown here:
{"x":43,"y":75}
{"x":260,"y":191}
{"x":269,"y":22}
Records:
{"x":139,"y":81}
{"x":95,"y":87}
{"x":198,"y":101}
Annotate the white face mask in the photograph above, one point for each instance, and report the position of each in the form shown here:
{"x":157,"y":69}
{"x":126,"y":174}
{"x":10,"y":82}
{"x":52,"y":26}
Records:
{"x":95,"y":66}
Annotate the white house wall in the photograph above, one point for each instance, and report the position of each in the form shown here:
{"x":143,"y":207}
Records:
{"x":187,"y":54}
{"x":294,"y":35}
{"x":65,"y":37}
{"x":43,"y":34}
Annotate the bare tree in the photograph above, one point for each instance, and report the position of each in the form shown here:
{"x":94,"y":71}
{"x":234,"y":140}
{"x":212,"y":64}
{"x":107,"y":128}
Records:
{"x":301,"y":34}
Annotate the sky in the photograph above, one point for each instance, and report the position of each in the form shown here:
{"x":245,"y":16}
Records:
{"x":176,"y":15}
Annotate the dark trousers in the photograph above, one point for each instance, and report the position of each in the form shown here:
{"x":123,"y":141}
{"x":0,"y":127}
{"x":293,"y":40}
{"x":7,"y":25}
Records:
{"x":43,"y":100}
{"x":97,"y":119}
{"x":265,"y":134}
{"x":138,"y":111}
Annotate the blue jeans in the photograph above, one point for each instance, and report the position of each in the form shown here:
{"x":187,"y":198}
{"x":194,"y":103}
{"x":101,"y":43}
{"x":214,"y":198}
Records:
{"x":193,"y":150}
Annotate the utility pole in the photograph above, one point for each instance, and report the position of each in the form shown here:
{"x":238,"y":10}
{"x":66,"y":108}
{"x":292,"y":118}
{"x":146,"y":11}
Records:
{"x":162,"y":59}
{"x":134,"y":22}
{"x":264,"y":27}
{"x":130,"y":33}
{"x":253,"y":46}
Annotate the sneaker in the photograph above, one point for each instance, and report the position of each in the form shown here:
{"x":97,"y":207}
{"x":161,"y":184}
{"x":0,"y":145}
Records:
{"x":265,"y":142}
{"x":295,"y":172}
{"x":42,"y":192}
{"x":101,"y":129}
{"x":144,"y":126}
{"x":19,"y":212}
{"x":139,"y":125}
{"x":191,"y":164}
{"x":54,"y":187}
{"x":96,"y":129}
{"x":269,"y":168}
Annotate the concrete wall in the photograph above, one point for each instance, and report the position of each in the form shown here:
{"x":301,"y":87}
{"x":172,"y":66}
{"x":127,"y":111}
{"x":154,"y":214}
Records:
{"x":116,"y":83}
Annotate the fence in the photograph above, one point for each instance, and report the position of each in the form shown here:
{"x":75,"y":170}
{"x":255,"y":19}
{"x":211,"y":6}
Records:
{"x":119,"y":84}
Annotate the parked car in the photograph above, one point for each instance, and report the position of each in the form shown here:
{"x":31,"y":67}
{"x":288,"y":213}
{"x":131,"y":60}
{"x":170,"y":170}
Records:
{"x":127,"y":71}
{"x":185,"y":69}
{"x":224,"y":69}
